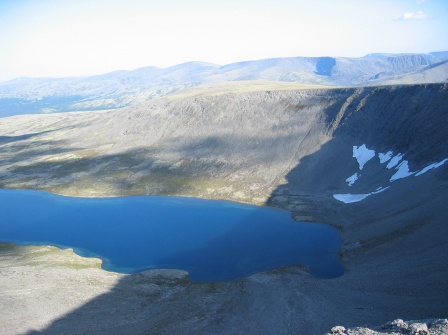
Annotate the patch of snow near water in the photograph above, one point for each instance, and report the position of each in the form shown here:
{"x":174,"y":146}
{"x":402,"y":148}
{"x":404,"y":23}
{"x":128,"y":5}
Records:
{"x":402,"y":171}
{"x":350,"y":198}
{"x":351,"y":180}
{"x":385,"y":157}
{"x":430,"y":167}
{"x":362,"y":155}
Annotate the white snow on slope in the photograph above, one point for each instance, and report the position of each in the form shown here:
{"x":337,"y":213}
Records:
{"x":385,"y":157}
{"x":362,"y":155}
{"x":401,"y":167}
{"x":394,"y":161}
{"x":351,"y":180}
{"x":430,"y":167}
{"x":350,"y":198}
{"x":402,"y":171}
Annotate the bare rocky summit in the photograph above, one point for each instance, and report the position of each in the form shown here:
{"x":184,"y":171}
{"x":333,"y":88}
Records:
{"x":385,"y":147}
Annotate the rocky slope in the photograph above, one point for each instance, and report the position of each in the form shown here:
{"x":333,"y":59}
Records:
{"x":398,"y":326}
{"x":298,"y":150}
{"x":242,"y":146}
{"x":123,"y":88}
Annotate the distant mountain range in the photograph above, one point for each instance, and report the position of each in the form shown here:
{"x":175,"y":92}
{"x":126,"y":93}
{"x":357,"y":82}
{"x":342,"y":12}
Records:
{"x":123,"y":88}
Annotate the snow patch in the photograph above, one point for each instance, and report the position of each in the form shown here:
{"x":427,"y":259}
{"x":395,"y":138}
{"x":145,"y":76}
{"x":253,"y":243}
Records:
{"x":362,"y":155}
{"x":350,"y":198}
{"x":401,"y":167}
{"x":402,"y":171}
{"x":431,"y":166}
{"x":379,"y":190}
{"x":351,"y":180}
{"x":385,"y":157}
{"x":394,"y":161}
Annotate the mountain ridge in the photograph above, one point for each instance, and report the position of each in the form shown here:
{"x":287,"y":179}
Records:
{"x":123,"y":88}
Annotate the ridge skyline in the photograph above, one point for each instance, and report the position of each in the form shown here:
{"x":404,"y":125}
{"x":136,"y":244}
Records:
{"x":442,"y":53}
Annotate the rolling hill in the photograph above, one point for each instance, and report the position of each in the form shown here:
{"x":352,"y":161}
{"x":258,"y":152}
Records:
{"x":123,"y":88}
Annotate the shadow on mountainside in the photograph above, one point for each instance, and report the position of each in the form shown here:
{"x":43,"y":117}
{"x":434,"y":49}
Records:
{"x":9,"y":139}
{"x":15,"y":149}
{"x":394,"y":242}
{"x":397,"y":270}
{"x":52,"y":165}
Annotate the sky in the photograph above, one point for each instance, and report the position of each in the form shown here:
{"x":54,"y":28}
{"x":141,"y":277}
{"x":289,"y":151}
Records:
{"x":57,"y":38}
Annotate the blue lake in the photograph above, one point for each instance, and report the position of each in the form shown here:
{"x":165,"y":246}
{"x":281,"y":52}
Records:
{"x":212,"y":240}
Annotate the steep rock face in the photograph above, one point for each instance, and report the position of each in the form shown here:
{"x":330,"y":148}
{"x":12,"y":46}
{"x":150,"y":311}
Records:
{"x":399,"y":119}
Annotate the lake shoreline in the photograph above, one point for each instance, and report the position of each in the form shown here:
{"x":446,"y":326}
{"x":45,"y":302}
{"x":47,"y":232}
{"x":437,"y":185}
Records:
{"x":357,"y":277}
{"x":213,"y":240}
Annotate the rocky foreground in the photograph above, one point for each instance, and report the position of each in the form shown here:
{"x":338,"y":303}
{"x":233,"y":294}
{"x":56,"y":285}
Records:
{"x":398,"y":326}
{"x":289,"y":149}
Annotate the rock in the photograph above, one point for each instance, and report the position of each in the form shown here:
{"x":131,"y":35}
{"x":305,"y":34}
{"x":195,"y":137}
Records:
{"x":439,"y":326}
{"x":397,"y":325}
{"x":338,"y":330}
{"x":418,"y":328}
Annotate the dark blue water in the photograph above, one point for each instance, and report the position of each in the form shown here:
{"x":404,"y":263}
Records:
{"x":212,"y":240}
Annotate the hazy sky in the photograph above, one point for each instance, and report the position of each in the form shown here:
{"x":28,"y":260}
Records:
{"x":85,"y":37}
